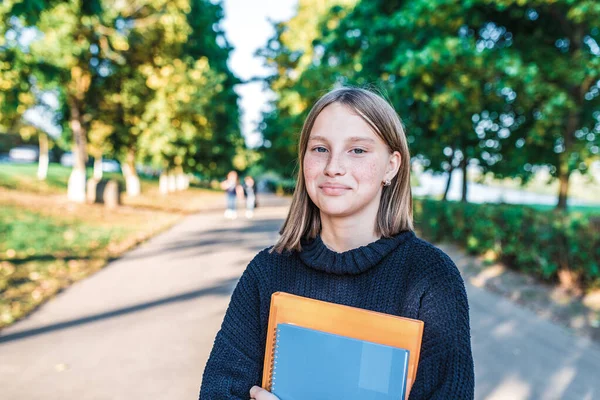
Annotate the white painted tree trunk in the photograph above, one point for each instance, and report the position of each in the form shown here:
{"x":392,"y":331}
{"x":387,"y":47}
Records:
{"x":172,"y":182}
{"x":133,"y":185}
{"x":132,"y":180}
{"x":76,"y":190}
{"x":98,"y":168}
{"x":42,"y":171}
{"x":163,"y":184}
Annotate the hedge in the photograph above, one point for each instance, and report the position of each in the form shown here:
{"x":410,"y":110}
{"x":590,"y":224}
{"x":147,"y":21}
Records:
{"x":539,"y":243}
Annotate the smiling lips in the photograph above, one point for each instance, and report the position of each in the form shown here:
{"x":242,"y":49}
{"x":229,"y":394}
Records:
{"x":333,"y":189}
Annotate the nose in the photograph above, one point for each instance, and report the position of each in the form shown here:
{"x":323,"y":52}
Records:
{"x":334,"y":166}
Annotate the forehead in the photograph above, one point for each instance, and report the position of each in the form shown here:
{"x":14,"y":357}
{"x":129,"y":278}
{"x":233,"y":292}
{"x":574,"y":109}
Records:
{"x":339,"y":122}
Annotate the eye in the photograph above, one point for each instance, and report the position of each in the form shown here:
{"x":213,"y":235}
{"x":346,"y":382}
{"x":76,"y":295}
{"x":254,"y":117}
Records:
{"x":320,"y":149}
{"x":359,"y":151}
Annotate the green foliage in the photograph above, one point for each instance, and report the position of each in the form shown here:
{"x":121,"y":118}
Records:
{"x":296,"y":80}
{"x":142,"y":81}
{"x":507,"y":85}
{"x":536,"y":242}
{"x":172,"y":102}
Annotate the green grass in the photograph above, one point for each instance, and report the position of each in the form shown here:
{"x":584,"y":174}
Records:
{"x":47,"y":243}
{"x":24,"y":177}
{"x":45,"y":246}
{"x":40,"y":254}
{"x":28,"y":234}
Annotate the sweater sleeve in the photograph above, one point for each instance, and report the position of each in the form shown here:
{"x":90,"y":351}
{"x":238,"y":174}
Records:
{"x":445,"y":368}
{"x":235,"y":362}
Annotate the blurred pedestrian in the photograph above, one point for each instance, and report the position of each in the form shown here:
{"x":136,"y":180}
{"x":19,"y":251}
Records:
{"x":232,"y":190}
{"x":250,"y":193}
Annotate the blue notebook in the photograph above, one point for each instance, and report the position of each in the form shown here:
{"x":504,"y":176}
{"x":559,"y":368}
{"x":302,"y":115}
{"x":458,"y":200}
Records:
{"x":310,"y":364}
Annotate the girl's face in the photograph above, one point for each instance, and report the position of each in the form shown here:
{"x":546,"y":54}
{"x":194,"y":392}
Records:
{"x":345,"y":164}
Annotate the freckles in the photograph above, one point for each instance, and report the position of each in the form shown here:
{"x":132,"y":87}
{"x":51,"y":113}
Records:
{"x":368,"y":172}
{"x":313,"y":166}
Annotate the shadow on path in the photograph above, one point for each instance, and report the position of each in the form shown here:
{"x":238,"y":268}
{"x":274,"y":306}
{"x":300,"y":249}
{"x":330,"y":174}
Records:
{"x":223,"y":288}
{"x":210,"y":240}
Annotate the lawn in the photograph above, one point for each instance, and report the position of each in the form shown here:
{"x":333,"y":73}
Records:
{"x":47,"y":242}
{"x":23,"y":178}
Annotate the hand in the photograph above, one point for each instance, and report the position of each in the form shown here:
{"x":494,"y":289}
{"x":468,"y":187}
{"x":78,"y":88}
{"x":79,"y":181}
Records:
{"x":258,"y":393}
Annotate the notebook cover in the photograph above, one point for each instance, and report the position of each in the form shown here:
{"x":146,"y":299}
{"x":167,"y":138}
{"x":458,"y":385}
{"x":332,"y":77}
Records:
{"x":316,"y":365}
{"x":343,"y":320}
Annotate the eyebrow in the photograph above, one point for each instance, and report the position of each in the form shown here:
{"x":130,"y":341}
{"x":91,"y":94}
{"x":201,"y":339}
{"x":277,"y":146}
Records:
{"x":352,"y":139}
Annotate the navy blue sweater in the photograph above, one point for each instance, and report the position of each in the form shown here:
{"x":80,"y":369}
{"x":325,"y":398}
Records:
{"x":402,"y":275}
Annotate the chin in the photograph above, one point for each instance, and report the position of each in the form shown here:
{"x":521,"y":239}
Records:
{"x":336,"y":208}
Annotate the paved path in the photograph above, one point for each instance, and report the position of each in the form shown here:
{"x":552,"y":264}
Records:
{"x":142,"y":328}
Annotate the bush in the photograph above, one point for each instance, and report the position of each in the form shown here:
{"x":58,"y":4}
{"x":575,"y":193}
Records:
{"x":539,"y":243}
{"x":286,"y":186}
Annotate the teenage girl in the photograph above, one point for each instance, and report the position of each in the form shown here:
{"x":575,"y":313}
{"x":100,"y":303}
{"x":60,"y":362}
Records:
{"x":348,"y":239}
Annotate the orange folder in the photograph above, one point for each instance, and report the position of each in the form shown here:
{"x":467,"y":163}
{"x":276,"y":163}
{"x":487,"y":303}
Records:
{"x":343,"y":320}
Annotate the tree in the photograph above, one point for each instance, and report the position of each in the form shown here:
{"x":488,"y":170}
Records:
{"x":68,"y":31}
{"x":298,"y":79}
{"x":554,"y":68}
{"x":141,"y":81}
{"x":17,"y":83}
{"x":502,"y":84}
{"x":508,"y":84}
{"x":172,"y":102}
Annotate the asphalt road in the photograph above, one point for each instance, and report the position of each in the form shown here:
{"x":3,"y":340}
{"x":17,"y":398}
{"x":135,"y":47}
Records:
{"x":143,"y":327}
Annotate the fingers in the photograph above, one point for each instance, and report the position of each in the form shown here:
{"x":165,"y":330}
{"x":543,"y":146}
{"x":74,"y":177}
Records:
{"x":258,"y":393}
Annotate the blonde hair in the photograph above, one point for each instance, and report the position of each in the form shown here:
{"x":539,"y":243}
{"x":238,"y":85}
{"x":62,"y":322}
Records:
{"x":395,"y":208}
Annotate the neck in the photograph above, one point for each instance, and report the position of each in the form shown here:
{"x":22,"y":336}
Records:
{"x":346,"y":233}
{"x":342,"y":235}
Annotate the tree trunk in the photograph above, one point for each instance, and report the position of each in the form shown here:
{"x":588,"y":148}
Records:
{"x":76,"y":188}
{"x":180,"y":179}
{"x":42,"y":172}
{"x":132,"y":180}
{"x":563,"y":188}
{"x":564,"y":169}
{"x":163,"y":184}
{"x":448,"y":183}
{"x":172,"y":182}
{"x":463,"y":166}
{"x":98,"y":168}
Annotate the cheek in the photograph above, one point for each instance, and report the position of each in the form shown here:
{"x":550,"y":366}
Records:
{"x":369,"y":173}
{"x":312,"y":167}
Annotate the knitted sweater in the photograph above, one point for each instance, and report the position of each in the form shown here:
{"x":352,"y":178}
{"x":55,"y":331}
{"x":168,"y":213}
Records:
{"x":402,"y":275}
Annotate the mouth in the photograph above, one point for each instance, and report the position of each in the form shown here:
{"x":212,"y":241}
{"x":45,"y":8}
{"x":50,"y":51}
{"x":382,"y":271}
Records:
{"x":334,"y":190}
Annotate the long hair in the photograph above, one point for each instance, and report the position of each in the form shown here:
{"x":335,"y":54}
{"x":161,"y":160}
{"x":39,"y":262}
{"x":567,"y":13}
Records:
{"x":395,"y":208}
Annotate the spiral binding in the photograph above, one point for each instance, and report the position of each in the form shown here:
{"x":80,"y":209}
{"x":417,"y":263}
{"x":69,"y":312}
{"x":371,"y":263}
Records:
{"x":272,"y":371}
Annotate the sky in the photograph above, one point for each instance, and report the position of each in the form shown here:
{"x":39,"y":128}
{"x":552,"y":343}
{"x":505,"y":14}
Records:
{"x":247,"y":29}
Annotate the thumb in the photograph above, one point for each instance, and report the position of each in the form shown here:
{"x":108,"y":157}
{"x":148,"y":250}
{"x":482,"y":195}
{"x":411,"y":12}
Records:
{"x":258,"y":393}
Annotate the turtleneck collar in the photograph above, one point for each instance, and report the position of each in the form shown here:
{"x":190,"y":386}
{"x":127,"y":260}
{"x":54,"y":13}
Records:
{"x":317,"y":255}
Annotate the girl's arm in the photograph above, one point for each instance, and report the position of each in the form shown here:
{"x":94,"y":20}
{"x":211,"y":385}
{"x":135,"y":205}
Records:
{"x":446,"y":364}
{"x":236,"y":360}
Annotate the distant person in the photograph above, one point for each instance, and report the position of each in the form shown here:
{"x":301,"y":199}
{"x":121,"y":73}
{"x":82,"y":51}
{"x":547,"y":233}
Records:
{"x":232,"y":190}
{"x":348,"y":239}
{"x":250,"y":193}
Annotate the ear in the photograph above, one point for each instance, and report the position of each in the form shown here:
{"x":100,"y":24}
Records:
{"x":393,"y":165}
